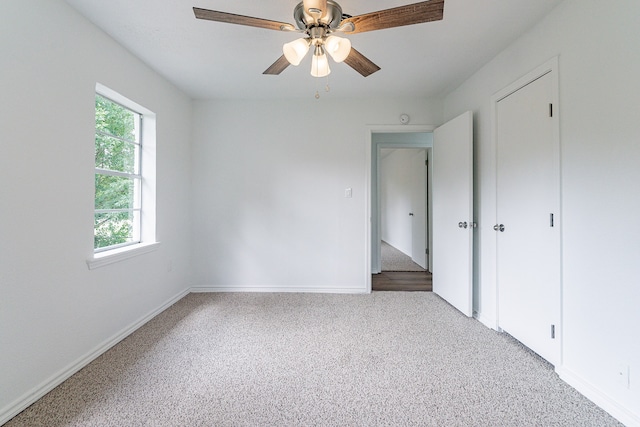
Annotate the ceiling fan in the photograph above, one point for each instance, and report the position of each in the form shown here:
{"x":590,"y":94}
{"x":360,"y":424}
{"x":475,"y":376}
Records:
{"x":319,"y":20}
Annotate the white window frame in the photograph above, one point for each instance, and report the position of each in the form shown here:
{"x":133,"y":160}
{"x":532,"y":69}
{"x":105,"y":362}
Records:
{"x":146,"y":241}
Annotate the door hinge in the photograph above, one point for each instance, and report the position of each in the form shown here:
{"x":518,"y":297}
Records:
{"x":553,"y":332}
{"x":551,"y":220}
{"x":426,"y":251}
{"x":426,"y":162}
{"x":550,"y":110}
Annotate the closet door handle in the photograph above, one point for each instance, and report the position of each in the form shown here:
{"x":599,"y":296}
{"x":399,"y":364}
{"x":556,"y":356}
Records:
{"x":499,"y":227}
{"x":410,"y":213}
{"x":462,"y":224}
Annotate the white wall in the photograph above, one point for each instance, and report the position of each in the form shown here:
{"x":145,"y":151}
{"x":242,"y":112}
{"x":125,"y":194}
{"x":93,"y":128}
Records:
{"x":396,"y":180}
{"x":269,"y":181}
{"x":54,"y":312}
{"x":598,"y":44}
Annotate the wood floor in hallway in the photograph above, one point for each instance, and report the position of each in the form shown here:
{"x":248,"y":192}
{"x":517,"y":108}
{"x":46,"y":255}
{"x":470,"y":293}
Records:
{"x":402,"y":281}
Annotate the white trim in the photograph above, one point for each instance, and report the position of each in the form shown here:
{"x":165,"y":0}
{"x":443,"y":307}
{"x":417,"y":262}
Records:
{"x":108,"y":172}
{"x":122,"y":100}
{"x":277,"y":289}
{"x":486,"y":321}
{"x":550,"y":66}
{"x":399,"y":129}
{"x":593,"y":393}
{"x":119,"y":138}
{"x":101,"y":259}
{"x":367,"y":209}
{"x":30,"y":397}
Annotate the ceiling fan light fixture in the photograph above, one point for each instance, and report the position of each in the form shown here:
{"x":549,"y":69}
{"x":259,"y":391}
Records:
{"x":338,"y":47}
{"x":296,"y":50}
{"x":317,"y":19}
{"x":320,"y":63}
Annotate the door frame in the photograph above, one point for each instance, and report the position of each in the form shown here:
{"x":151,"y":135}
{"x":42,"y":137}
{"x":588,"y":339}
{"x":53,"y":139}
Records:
{"x":372,"y":149}
{"x":550,"y":67}
{"x":420,"y":190}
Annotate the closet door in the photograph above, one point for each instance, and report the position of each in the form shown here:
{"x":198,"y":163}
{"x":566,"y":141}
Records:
{"x":528,"y":237}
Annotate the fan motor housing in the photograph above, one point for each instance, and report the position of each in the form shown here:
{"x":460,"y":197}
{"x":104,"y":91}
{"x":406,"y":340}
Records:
{"x":332,"y":19}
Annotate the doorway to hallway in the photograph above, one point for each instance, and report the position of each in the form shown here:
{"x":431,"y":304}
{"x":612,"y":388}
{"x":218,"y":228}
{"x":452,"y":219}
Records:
{"x":400,"y":235}
{"x":400,"y":206}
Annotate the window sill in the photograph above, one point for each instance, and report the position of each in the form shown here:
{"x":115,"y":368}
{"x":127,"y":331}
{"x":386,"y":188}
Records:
{"x":110,"y":257}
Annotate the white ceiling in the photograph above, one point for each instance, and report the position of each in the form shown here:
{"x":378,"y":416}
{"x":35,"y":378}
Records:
{"x":217,"y":60}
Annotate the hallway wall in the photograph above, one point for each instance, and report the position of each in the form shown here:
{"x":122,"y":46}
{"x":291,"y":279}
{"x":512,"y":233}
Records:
{"x":396,"y":191}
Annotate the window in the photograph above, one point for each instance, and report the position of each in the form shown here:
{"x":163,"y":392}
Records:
{"x":117,"y":178}
{"x":124,"y":217}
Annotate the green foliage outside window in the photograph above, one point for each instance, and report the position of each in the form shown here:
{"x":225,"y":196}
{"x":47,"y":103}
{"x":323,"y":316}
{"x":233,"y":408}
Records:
{"x":116,"y":149}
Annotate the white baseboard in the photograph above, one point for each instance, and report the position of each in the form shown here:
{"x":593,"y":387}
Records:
{"x":274,"y":289}
{"x":489,"y":322}
{"x":30,"y":397}
{"x":593,"y":393}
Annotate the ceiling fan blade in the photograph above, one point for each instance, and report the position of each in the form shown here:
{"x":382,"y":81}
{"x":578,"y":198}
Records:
{"x":277,"y":67}
{"x":230,"y":18}
{"x":417,"y":13}
{"x":360,"y":63}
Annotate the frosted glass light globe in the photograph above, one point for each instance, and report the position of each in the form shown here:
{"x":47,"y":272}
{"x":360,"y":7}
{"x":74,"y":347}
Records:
{"x":296,"y":50}
{"x":320,"y":66}
{"x":338,"y":47}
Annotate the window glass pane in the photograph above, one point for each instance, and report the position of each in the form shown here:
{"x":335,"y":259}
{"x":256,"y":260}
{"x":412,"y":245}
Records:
{"x":116,"y":192}
{"x":116,"y":120}
{"x":116,"y":154}
{"x":113,"y":229}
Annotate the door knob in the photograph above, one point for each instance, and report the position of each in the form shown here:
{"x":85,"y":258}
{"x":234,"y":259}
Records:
{"x":410,"y":213}
{"x":462,"y":224}
{"x":499,"y":227}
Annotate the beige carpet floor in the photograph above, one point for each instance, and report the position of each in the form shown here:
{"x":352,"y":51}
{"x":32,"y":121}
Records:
{"x":382,"y":359}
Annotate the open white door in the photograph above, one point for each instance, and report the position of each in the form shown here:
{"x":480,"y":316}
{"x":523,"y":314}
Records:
{"x":453,"y":212}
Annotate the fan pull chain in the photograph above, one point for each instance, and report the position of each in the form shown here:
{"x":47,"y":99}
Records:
{"x":327,"y":88}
